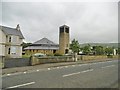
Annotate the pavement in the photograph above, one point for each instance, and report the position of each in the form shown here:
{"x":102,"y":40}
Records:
{"x":73,"y":75}
{"x":49,"y":65}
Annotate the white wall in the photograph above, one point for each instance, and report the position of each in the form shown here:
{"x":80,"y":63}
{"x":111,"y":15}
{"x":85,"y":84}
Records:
{"x":16,"y":51}
{"x":15,"y":42}
{"x":2,"y":42}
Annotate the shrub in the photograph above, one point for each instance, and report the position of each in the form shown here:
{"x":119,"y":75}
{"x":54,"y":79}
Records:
{"x":58,"y":54}
{"x":50,"y":54}
{"x":110,"y":56}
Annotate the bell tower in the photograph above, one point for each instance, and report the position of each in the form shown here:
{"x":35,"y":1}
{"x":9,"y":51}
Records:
{"x":63,"y":39}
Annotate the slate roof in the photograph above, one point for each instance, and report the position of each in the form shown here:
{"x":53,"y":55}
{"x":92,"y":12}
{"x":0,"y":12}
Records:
{"x":11,"y":31}
{"x":42,"y":47}
{"x":43,"y":44}
{"x":44,"y":41}
{"x":64,"y":26}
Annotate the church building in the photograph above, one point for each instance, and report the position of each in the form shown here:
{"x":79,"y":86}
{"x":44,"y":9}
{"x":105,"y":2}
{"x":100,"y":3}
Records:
{"x":47,"y":46}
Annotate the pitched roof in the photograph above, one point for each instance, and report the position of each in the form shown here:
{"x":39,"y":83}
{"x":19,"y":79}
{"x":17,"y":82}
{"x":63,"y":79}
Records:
{"x":55,"y":47}
{"x":64,"y":26}
{"x":43,"y":44}
{"x":11,"y":31}
{"x":44,"y":41}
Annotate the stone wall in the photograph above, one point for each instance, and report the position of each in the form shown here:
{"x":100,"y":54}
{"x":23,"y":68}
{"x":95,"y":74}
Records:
{"x":16,"y":62}
{"x":50,"y":59}
{"x":31,"y":52}
{"x":2,"y":58}
{"x":89,"y":57}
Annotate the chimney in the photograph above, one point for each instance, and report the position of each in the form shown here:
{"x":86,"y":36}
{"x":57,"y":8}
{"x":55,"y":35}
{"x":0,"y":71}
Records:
{"x":18,"y":27}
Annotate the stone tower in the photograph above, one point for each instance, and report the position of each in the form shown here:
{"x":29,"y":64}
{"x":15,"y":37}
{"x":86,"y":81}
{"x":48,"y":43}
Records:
{"x":63,"y":39}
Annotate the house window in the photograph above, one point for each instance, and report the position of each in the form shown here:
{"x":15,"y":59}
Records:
{"x":10,"y":39}
{"x":13,"y":50}
{"x":9,"y":51}
{"x":14,"y":39}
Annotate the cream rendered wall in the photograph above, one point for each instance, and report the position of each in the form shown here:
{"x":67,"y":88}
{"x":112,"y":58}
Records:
{"x":2,"y":43}
{"x":16,"y":43}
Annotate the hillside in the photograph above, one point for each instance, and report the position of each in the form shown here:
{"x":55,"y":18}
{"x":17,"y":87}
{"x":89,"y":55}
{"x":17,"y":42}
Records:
{"x":115,"y":45}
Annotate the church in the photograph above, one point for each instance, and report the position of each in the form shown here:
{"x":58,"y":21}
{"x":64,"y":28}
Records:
{"x":48,"y":47}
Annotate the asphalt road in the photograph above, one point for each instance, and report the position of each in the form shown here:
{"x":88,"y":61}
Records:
{"x":91,"y":75}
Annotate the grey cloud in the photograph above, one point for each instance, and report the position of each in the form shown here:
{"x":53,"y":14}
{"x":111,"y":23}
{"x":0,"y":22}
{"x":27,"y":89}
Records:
{"x":89,"y":22}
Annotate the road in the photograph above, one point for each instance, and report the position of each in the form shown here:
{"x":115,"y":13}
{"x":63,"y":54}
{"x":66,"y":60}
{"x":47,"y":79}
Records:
{"x":90,"y":75}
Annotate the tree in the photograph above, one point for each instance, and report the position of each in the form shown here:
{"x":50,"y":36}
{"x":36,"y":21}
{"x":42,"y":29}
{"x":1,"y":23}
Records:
{"x":86,"y":49}
{"x":118,"y":51}
{"x":109,"y":50}
{"x":98,"y":50}
{"x":24,"y":45}
{"x":75,"y":46}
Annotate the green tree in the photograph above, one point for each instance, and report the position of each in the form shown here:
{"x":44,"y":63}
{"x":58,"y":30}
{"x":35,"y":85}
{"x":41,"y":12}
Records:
{"x":118,"y":51}
{"x":86,"y":49}
{"x":75,"y":46}
{"x":98,"y":50}
{"x":109,"y":50}
{"x":24,"y":45}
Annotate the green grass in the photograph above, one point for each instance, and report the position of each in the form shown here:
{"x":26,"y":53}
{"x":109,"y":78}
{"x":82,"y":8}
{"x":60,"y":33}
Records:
{"x":25,"y":56}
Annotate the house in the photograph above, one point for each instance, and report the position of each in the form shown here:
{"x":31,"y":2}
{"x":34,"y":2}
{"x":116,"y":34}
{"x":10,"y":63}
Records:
{"x":10,"y":42}
{"x":43,"y":45}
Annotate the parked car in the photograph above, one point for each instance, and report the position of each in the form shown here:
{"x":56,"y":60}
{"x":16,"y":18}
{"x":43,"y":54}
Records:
{"x":39,"y":55}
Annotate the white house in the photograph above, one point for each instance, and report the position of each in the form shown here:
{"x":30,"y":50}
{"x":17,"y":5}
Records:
{"x":10,"y":42}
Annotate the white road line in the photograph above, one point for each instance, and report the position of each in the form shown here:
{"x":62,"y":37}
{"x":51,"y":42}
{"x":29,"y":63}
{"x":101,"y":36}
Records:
{"x":108,"y":66}
{"x":73,"y":65}
{"x":8,"y":74}
{"x":77,"y":73}
{"x":66,"y":66}
{"x":58,"y":67}
{"x":21,"y":85}
{"x":24,"y":72}
{"x":37,"y":70}
{"x":48,"y":68}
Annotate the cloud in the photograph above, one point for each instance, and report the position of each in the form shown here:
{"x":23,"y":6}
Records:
{"x":88,"y":21}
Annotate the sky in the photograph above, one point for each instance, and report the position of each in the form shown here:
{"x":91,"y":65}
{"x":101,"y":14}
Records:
{"x":89,"y":22}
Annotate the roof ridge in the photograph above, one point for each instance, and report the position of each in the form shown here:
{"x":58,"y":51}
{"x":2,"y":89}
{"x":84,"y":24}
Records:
{"x":8,"y":27}
{"x":44,"y":41}
{"x":11,"y":31}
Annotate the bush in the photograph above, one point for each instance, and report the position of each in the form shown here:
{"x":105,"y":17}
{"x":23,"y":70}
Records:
{"x":25,"y":56}
{"x":58,"y":54}
{"x":50,"y":54}
{"x":110,"y":56}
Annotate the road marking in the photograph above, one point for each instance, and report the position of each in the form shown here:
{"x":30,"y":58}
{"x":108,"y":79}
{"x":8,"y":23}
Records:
{"x":73,"y":65}
{"x":77,"y":73}
{"x":48,"y":68}
{"x":8,"y":74}
{"x":37,"y":70}
{"x":108,"y":66}
{"x":21,"y":85}
{"x":24,"y":72}
{"x":66,"y":66}
{"x":58,"y":67}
